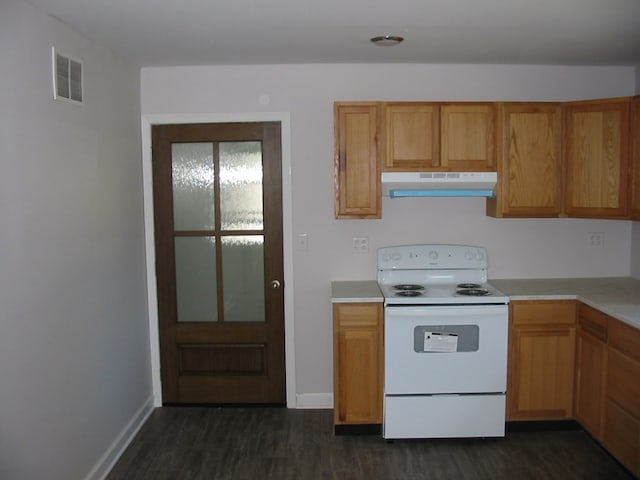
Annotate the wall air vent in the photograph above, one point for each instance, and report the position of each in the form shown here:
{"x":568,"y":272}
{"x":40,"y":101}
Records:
{"x":67,"y":78}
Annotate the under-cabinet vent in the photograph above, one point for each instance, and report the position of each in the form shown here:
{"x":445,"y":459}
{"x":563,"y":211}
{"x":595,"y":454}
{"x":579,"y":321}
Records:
{"x":67,"y":78}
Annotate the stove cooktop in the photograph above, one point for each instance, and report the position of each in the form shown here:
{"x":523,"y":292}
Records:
{"x":441,"y":294}
{"x":435,"y":274}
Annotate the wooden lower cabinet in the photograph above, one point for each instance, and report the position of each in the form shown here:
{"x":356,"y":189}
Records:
{"x":358,"y":363}
{"x":591,"y":364}
{"x":621,"y":435}
{"x":540,"y":373}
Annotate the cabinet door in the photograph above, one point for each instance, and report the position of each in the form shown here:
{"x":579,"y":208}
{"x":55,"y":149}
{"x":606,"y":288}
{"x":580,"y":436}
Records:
{"x":357,"y":182}
{"x":411,"y":140}
{"x":358,"y":363}
{"x":540,"y":372}
{"x":597,"y":146}
{"x":635,"y":158}
{"x":467,"y":137}
{"x":621,"y":434}
{"x":591,"y":369}
{"x":529,"y":161}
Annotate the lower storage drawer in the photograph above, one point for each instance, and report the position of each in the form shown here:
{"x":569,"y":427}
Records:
{"x":444,"y":416}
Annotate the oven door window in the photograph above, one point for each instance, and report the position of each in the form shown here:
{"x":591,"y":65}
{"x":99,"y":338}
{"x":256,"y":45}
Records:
{"x":446,"y":338}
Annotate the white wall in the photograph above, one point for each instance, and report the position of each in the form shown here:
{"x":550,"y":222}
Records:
{"x":517,"y":248}
{"x":74,"y":354}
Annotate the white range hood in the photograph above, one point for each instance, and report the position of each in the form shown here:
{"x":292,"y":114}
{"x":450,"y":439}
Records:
{"x":438,"y":184}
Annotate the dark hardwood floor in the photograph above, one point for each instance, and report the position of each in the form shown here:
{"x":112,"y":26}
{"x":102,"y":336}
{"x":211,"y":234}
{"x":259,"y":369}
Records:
{"x":253,"y":443}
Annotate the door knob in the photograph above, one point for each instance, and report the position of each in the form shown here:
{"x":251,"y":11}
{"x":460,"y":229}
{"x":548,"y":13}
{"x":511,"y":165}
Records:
{"x":275,"y":284}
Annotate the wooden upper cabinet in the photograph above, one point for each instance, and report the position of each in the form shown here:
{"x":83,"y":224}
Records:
{"x":635,"y":158}
{"x":411,"y":136}
{"x":421,"y":136}
{"x":529,"y":161}
{"x":597,"y":146}
{"x":357,"y":172}
{"x":467,"y":136}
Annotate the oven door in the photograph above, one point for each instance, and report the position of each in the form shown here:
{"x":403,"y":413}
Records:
{"x":452,"y":349}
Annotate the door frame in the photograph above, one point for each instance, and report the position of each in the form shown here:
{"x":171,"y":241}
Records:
{"x":287,"y":234}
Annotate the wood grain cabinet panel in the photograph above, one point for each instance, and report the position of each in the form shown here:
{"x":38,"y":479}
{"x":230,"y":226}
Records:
{"x":357,"y":172}
{"x":411,"y":136}
{"x":591,"y":364}
{"x":621,"y":436}
{"x":635,"y":158}
{"x":529,"y":161}
{"x":597,"y":147}
{"x":422,"y":136}
{"x":467,"y":136}
{"x":358,"y":363}
{"x":541,"y":366}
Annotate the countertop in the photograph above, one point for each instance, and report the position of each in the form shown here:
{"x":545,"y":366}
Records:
{"x":356,"y":292}
{"x":618,"y":297}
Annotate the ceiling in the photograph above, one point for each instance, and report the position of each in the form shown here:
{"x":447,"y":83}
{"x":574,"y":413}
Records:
{"x":210,"y":32}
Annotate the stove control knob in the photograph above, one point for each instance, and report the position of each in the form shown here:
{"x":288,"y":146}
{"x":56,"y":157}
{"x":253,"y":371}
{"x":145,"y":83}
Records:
{"x":396,"y":256}
{"x":433,"y":255}
{"x":386,"y":257}
{"x":479,"y":255}
{"x":468,"y":255}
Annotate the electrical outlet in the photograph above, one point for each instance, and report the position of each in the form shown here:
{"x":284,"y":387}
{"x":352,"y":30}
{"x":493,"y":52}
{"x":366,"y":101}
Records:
{"x":360,"y":245}
{"x":596,"y":239}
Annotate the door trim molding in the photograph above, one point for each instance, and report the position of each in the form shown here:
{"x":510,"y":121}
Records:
{"x":287,"y":234}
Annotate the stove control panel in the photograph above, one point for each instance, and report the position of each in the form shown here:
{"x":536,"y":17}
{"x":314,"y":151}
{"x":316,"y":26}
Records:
{"x":407,"y":257}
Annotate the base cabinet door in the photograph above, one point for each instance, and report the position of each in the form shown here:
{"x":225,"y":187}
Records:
{"x":358,"y":363}
{"x":621,"y":436}
{"x":540,"y":373}
{"x":591,"y":364}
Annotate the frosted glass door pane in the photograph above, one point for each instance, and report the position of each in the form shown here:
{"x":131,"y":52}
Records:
{"x":193,"y":176}
{"x":241,"y":185}
{"x":196,"y":279}
{"x":243,"y":277}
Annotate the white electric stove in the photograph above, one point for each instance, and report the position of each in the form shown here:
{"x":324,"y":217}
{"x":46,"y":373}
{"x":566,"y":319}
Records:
{"x":445,"y":343}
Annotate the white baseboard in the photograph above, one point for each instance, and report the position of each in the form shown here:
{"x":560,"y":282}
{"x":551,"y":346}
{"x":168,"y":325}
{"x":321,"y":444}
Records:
{"x":122,"y":441}
{"x":314,"y":400}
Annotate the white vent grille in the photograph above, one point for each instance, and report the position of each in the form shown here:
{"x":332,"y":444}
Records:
{"x":67,"y":78}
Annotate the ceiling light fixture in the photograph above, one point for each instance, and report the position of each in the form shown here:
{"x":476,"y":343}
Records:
{"x":387,"y":40}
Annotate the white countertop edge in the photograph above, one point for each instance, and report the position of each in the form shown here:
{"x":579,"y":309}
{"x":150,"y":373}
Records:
{"x":544,"y":296}
{"x":358,"y":300}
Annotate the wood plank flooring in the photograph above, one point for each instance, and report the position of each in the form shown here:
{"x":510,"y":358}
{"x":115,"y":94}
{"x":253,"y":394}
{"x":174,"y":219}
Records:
{"x":197,"y":443}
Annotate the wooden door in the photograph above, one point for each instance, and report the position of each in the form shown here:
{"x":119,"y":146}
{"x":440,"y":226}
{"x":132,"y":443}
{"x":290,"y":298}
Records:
{"x":529,"y":161}
{"x":218,"y":227}
{"x":597,"y":144}
{"x":357,"y":172}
